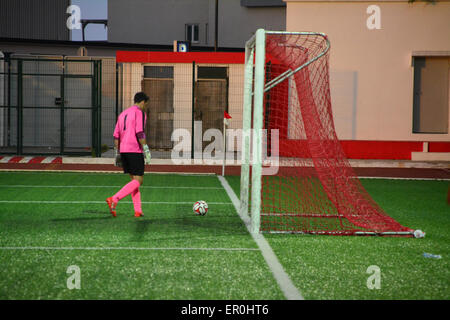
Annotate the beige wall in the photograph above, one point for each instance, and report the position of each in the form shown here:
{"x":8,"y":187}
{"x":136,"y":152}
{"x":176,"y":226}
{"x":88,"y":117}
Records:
{"x":370,"y":70}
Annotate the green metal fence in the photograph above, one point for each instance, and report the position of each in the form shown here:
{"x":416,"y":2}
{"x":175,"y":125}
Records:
{"x":53,"y":106}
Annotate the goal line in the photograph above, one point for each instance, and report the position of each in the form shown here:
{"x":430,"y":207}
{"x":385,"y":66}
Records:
{"x":125,"y":248}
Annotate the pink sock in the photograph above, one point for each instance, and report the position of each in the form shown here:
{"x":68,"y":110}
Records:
{"x":136,"y":196}
{"x":126,"y":190}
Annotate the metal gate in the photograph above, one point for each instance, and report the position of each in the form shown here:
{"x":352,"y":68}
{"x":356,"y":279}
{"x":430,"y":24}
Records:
{"x":50,"y":106}
{"x":211,"y":98}
{"x":158,"y":83}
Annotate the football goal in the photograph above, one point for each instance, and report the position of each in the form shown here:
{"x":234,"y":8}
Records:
{"x":287,"y":104}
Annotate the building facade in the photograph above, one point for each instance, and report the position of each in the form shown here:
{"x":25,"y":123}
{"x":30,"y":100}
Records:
{"x":389,"y":66}
{"x":161,"y":22}
{"x":34,"y":19}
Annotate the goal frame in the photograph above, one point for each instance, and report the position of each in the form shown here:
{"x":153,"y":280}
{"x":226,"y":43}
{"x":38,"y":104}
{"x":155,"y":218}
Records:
{"x":255,"y":50}
{"x":251,"y":148}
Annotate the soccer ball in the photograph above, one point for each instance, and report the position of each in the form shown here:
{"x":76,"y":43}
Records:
{"x":419,"y":234}
{"x":200,"y":208}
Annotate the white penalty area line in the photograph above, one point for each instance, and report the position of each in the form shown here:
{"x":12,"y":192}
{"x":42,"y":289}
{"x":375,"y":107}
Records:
{"x":127,"y":248}
{"x":282,"y":278}
{"x":104,"y":202}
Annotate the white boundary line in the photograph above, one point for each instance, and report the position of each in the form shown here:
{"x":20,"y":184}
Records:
{"x":141,"y":187}
{"x":126,"y":248}
{"x":403,"y":178}
{"x":104,"y":202}
{"x":195,"y":174}
{"x":100,"y":172}
{"x":282,"y":278}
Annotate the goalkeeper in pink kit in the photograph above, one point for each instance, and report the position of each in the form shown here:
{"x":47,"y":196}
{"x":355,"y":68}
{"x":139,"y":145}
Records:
{"x":132,"y":152}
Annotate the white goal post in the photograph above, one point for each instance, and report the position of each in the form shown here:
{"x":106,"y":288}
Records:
{"x":254,"y":95}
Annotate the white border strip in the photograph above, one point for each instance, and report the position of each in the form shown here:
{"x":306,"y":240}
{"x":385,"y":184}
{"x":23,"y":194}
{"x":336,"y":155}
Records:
{"x":5,"y":159}
{"x":282,"y":278}
{"x":26,"y":160}
{"x":48,"y":160}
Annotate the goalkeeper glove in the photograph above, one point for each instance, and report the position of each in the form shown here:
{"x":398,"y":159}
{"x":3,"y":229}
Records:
{"x":118,"y":159}
{"x":147,"y":154}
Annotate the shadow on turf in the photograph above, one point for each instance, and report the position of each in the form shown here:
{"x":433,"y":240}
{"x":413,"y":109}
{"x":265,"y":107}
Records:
{"x":97,"y":211}
{"x":180,"y":228}
{"x":196,"y":224}
{"x":219,"y":225}
{"x":105,"y":215}
{"x":79,"y":219}
{"x":141,"y":229}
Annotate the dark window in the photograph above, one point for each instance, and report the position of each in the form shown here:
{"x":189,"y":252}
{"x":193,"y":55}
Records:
{"x":212,"y":73}
{"x":263,"y":3}
{"x":158,"y":72}
{"x":431,"y":94}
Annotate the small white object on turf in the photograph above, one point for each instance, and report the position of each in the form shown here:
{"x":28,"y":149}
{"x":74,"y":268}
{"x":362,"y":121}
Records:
{"x":419,"y":234}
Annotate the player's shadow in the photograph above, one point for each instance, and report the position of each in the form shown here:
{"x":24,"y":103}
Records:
{"x":100,"y":212}
{"x":195,"y":224}
{"x":141,"y":228}
{"x":218,"y":225}
{"x":96,"y":215}
{"x":175,"y":228}
{"x":80,"y":219}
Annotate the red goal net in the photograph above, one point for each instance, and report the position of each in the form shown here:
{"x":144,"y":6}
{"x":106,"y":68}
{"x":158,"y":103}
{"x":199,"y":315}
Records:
{"x":315,"y":190}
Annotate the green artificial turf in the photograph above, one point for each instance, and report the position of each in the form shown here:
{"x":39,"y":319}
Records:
{"x":335,"y":267}
{"x":210,"y":257}
{"x":40,"y":241}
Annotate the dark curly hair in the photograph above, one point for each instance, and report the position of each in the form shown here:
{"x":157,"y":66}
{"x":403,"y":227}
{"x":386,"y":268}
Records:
{"x":140,"y":96}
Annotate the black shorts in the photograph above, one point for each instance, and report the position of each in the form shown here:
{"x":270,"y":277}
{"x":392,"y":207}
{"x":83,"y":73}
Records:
{"x":133,"y":163}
